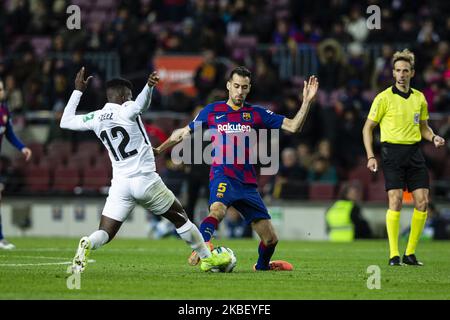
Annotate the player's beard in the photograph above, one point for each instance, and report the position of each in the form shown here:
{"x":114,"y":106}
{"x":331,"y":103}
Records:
{"x":237,"y":102}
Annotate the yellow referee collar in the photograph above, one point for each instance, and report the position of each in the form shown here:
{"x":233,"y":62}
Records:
{"x":400,"y":93}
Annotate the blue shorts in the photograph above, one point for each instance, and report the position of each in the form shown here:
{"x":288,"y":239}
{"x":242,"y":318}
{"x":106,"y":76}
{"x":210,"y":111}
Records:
{"x":244,"y":197}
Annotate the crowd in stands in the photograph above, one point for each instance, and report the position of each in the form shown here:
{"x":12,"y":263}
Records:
{"x":327,"y":152}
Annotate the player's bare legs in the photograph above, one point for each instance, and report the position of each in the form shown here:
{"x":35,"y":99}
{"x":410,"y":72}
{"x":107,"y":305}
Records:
{"x":269,"y":240}
{"x":192,"y":236}
{"x":107,"y":229}
{"x":217,"y":212}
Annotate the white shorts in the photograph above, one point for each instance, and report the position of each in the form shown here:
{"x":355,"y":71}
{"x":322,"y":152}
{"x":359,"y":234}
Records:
{"x":148,"y":190}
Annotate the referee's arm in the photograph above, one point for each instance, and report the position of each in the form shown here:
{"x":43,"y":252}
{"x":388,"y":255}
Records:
{"x":428,"y":134}
{"x":367,"y":132}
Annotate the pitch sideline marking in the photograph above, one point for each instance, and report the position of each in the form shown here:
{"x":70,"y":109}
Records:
{"x":39,"y":264}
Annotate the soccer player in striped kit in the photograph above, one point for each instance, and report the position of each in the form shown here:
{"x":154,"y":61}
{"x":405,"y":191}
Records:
{"x":234,"y":184}
{"x":135,"y":180}
{"x":7,"y":130}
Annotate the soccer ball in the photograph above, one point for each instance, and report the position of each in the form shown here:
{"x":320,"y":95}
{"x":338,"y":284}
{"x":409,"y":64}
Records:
{"x":229,"y":267}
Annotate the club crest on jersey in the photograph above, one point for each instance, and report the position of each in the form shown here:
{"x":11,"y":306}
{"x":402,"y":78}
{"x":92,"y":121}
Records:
{"x":219,"y":195}
{"x":246,"y":116}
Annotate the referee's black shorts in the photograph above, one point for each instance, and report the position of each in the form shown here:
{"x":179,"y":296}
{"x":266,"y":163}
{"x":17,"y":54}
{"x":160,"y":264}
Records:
{"x":404,"y":167}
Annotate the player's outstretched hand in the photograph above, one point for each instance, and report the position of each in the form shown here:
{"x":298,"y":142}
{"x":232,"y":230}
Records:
{"x":438,"y":141}
{"x":310,"y":89}
{"x":153,"y":79}
{"x":27,"y":153}
{"x":80,"y":83}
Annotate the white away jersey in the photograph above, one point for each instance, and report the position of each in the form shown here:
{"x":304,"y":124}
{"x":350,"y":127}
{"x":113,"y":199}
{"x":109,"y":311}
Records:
{"x":121,"y":130}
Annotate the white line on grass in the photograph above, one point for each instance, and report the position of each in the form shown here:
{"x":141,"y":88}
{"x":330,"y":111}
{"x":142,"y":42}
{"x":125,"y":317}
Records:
{"x":38,"y":264}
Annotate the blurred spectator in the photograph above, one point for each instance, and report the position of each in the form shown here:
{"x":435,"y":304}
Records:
{"x":14,"y":96}
{"x":357,"y":65}
{"x":189,"y":37}
{"x":382,"y":75}
{"x":355,"y":98}
{"x":407,"y":31}
{"x":339,"y":33}
{"x":322,"y":171}
{"x":287,"y":33}
{"x":290,"y":169}
{"x":209,"y":75}
{"x":55,"y":132}
{"x":265,"y":81}
{"x":331,"y":68}
{"x":356,"y":25}
{"x":344,"y":218}
{"x":290,"y":180}
{"x":349,"y":138}
{"x":444,"y":132}
{"x":304,"y":155}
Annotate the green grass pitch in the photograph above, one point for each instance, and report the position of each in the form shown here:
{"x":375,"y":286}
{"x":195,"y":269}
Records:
{"x":158,"y":269}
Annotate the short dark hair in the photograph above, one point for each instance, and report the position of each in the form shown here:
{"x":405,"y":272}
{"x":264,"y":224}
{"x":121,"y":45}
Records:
{"x":119,"y":83}
{"x":240,"y":71}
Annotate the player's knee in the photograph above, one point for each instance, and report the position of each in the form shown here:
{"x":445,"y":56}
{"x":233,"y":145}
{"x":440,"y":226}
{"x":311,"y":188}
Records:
{"x":422,"y":204}
{"x":217,"y":212}
{"x":395,"y":202}
{"x":271,"y":241}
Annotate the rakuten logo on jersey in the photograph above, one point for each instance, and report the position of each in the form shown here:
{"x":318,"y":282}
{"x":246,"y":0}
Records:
{"x":231,"y":128}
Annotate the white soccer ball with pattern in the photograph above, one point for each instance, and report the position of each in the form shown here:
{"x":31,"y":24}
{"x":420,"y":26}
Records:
{"x":229,"y":267}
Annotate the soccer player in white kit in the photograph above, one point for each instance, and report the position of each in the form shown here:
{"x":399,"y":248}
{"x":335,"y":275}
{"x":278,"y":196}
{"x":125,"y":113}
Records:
{"x":135,"y":181}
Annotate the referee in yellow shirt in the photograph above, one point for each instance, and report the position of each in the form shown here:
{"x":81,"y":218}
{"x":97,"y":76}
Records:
{"x":402,"y":113}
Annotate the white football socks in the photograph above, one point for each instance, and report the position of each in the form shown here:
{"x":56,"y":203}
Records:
{"x":98,"y":238}
{"x":190,"y":233}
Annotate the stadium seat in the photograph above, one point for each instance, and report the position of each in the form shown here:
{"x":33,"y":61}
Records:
{"x":41,"y":45}
{"x":83,"y":3}
{"x":361,"y":174}
{"x":105,"y":5}
{"x":436,"y":154}
{"x":81,"y":160}
{"x":66,"y":179}
{"x":321,"y":191}
{"x":62,"y":147}
{"x":446,"y":171}
{"x":37,"y":178}
{"x":241,"y":47}
{"x":38,"y":151}
{"x":95,"y":178}
{"x":377,"y":192}
{"x":93,"y":147}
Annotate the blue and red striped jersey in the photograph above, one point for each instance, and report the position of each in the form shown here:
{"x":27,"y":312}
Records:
{"x":7,"y":129}
{"x":228,"y":122}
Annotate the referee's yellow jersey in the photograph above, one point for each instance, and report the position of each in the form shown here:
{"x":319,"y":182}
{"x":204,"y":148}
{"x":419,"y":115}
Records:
{"x":398,"y":114}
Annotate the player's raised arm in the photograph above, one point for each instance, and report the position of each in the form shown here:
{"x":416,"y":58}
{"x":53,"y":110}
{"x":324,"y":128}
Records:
{"x":69,"y":120}
{"x":176,"y":137}
{"x":144,"y":99}
{"x":309,"y":92}
{"x":179,"y":134}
